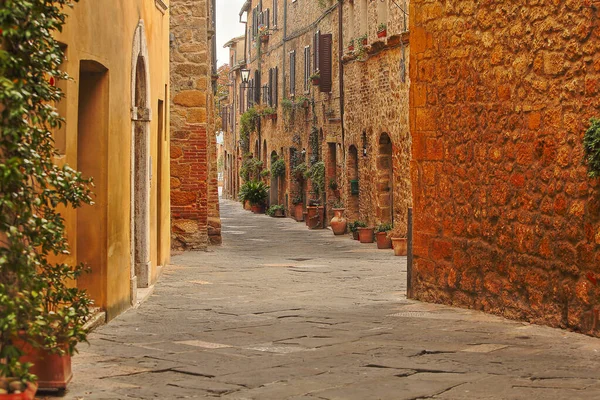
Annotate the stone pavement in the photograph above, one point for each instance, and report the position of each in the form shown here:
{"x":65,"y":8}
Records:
{"x":280,"y":312}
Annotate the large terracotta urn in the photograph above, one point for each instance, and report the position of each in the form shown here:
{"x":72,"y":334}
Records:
{"x":338,"y":222}
{"x":299,"y":212}
{"x":314,"y":217}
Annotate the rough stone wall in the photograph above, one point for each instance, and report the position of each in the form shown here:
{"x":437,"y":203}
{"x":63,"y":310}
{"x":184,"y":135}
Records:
{"x":376,"y":103}
{"x":193,"y":174}
{"x":506,"y":219}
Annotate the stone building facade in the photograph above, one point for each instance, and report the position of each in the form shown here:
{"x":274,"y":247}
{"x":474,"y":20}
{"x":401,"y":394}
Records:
{"x":506,"y":218}
{"x":117,"y":132}
{"x":194,"y":187}
{"x":303,"y":38}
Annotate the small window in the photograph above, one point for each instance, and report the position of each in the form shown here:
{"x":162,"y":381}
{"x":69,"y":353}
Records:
{"x":292,"y":73}
{"x":274,"y":12}
{"x":306,"y":68}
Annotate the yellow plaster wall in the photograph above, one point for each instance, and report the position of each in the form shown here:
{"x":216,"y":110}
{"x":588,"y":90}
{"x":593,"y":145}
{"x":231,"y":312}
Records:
{"x":103,"y":31}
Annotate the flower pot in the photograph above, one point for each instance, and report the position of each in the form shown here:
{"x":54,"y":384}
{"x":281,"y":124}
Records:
{"x":400,"y":246}
{"x":316,"y":81}
{"x":355,"y":235}
{"x":382,"y":34}
{"x":351,"y":48}
{"x":365,"y":41}
{"x":366,"y":235}
{"x":383,"y":241}
{"x":338,"y":222}
{"x":279,"y":214}
{"x":314,"y":217}
{"x":264,"y":38}
{"x":27,"y":394}
{"x":299,"y":212}
{"x":53,"y":370}
{"x":258,"y":208}
{"x":305,"y":217}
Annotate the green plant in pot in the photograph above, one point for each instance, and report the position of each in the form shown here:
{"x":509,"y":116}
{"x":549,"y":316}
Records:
{"x":276,"y":211}
{"x":278,"y":168}
{"x":382,"y":236}
{"x":256,"y":193}
{"x":354,"y":225}
{"x":39,"y":310}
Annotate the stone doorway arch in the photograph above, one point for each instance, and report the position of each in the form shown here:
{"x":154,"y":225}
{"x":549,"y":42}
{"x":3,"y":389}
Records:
{"x":140,"y":163}
{"x":385,"y":179}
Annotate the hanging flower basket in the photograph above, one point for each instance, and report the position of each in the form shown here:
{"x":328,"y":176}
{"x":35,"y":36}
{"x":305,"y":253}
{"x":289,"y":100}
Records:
{"x":264,"y":38}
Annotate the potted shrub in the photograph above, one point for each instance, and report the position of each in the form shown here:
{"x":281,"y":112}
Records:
{"x":316,"y":78}
{"x":278,"y":168}
{"x":353,"y":226}
{"x":333,"y":185}
{"x":39,"y":307}
{"x":299,"y":172}
{"x":383,"y":240}
{"x":366,"y":234}
{"x":382,"y":30}
{"x":297,"y":202}
{"x":338,"y":222}
{"x":256,"y":193}
{"x":362,"y":40}
{"x":303,"y":102}
{"x":276,"y":211}
{"x":316,"y":174}
{"x":263,"y":33}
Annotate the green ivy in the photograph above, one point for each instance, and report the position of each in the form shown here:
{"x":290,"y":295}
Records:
{"x":278,"y":168}
{"x":247,"y":126}
{"x":591,"y":146}
{"x":316,"y":173}
{"x":35,"y":300}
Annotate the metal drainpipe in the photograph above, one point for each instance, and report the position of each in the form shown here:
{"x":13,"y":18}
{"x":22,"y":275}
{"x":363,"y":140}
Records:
{"x":341,"y":76}
{"x":285,"y":5}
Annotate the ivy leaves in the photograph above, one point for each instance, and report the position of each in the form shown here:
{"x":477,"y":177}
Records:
{"x":591,"y":146}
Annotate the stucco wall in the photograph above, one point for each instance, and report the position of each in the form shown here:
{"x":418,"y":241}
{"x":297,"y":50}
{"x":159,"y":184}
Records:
{"x":104,"y":33}
{"x":506,"y":219}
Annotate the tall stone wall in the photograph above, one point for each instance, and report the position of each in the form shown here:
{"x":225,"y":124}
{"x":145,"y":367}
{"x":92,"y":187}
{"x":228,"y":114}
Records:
{"x":193,"y":175}
{"x":506,"y":219}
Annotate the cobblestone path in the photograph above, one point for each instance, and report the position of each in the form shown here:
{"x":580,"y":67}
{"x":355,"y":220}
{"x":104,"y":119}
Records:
{"x":280,"y":312}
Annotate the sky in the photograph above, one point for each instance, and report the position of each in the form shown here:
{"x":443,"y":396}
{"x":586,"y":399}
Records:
{"x":228,"y":26}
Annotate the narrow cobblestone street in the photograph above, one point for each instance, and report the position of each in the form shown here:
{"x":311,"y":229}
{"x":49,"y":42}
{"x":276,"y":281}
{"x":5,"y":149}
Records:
{"x":281,"y":312}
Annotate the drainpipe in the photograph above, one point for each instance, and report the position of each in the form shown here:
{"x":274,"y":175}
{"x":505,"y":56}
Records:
{"x":285,"y":6}
{"x":341,"y":76}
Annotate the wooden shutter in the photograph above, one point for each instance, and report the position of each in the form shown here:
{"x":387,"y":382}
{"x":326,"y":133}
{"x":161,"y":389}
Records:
{"x":257,"y":87}
{"x":270,"y":89}
{"x":274,"y":12}
{"x":292,"y":72}
{"x":316,"y":46}
{"x":306,"y":67}
{"x":267,"y":18}
{"x":276,"y":84}
{"x":325,"y":62}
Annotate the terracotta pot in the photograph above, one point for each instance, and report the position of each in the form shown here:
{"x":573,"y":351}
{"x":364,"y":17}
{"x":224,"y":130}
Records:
{"x":258,"y":208}
{"x":351,"y":48}
{"x":314,"y":217}
{"x":338,"y":222}
{"x":382,"y":34}
{"x":355,"y":235}
{"x":365,"y":42}
{"x":299,"y":212}
{"x":400,"y":246}
{"x":28,"y":394}
{"x":264,"y":38}
{"x":53,"y":370}
{"x":366,"y":235}
{"x":383,"y":241}
{"x":316,"y":81}
{"x":279,"y":214}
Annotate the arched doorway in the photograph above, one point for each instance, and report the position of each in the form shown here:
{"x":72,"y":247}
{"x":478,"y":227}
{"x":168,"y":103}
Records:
{"x":140,"y":164}
{"x":353,"y":184}
{"x":385,"y":179}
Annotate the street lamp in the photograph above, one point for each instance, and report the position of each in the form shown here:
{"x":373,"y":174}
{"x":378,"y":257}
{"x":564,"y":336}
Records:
{"x":245,"y":75}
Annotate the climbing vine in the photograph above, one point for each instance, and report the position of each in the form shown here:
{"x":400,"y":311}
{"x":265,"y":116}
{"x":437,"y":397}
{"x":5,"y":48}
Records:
{"x":35,"y":300}
{"x":591,"y":146}
{"x":247,"y":126}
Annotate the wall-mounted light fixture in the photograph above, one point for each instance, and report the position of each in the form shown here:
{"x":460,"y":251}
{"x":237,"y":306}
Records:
{"x":245,"y":75}
{"x":364,"y":144}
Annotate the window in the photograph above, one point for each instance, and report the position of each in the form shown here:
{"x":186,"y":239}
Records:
{"x":306,"y":68}
{"x":274,"y":12}
{"x":292,"y":73}
{"x":317,"y":52}
{"x":325,"y":63}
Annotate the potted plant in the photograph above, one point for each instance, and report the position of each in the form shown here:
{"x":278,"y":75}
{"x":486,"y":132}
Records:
{"x":333,"y":185}
{"x":276,"y":211}
{"x":351,"y":45}
{"x":381,"y":30}
{"x":255,"y":192}
{"x":278,"y":168}
{"x":299,"y":172}
{"x":362,"y":40}
{"x":316,"y":78}
{"x":366,"y":234}
{"x":269,"y":113}
{"x":316,"y":174}
{"x":297,"y":202}
{"x":400,"y":246}
{"x":265,"y":173}
{"x":263,"y":33}
{"x":303,"y":102}
{"x":338,"y":222}
{"x":383,"y":240}
{"x":39,"y":307}
{"x":353,"y":226}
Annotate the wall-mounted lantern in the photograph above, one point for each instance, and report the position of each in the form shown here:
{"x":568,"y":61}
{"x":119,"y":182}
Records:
{"x":364,"y":144}
{"x":245,"y":75}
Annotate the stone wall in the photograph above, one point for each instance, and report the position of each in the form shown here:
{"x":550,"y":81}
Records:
{"x":506,"y":219}
{"x":193,"y":158}
{"x":376,"y":105}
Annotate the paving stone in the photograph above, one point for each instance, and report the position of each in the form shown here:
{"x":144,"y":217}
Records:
{"x":317,"y":317}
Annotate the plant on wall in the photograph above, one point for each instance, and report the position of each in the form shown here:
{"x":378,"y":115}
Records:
{"x":278,"y":168}
{"x":313,"y":142}
{"x":591,"y":147}
{"x":36,"y":302}
{"x":316,"y":174}
{"x":251,"y":168}
{"x":247,"y":126}
{"x":288,"y":109}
